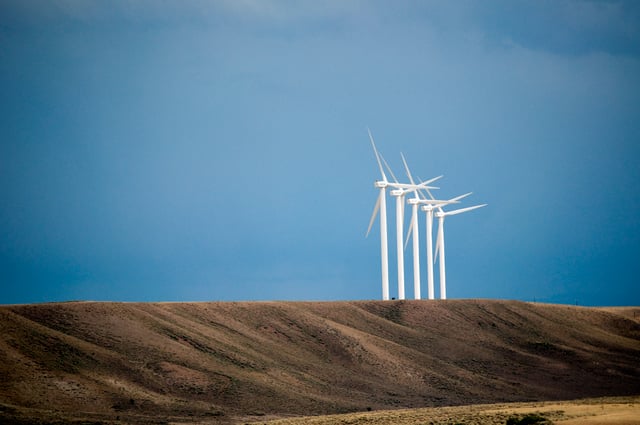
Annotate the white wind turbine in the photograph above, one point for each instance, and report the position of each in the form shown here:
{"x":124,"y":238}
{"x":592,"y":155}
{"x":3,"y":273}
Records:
{"x":429,"y":206}
{"x":381,"y":205}
{"x":440,"y":243}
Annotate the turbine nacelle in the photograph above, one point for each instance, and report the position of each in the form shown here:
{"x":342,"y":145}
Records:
{"x":380,"y":184}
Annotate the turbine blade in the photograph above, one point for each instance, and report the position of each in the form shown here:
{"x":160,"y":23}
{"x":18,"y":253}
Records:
{"x":419,"y":192}
{"x":427,"y":188}
{"x":457,"y":198}
{"x":431,"y":197}
{"x":462,"y":210}
{"x":435,"y":255}
{"x":411,"y":229}
{"x":416,"y":192}
{"x":373,"y":216}
{"x":384,"y":177}
{"x":406,"y":239}
{"x":439,"y":206}
{"x":389,"y":168}
{"x":413,"y":216}
{"x":430,"y":180}
{"x":406,"y":168}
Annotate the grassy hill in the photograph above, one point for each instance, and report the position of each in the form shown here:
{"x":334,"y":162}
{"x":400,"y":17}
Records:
{"x":223,"y":362}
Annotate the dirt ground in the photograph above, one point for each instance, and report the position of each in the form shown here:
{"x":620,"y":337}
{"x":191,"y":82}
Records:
{"x":231,"y":362}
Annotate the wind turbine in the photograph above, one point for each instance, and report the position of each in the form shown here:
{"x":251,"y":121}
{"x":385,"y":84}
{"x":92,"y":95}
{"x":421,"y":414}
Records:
{"x":440,"y":243}
{"x":428,"y":207}
{"x":381,"y":205}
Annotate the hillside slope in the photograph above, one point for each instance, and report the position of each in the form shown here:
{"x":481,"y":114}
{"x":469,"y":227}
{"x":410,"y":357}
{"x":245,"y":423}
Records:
{"x":223,"y":361}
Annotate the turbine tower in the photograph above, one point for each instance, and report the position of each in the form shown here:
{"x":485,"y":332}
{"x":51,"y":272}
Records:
{"x":399,"y":194}
{"x":440,"y":244}
{"x":429,"y":225}
{"x":416,"y":247}
{"x":381,"y":205}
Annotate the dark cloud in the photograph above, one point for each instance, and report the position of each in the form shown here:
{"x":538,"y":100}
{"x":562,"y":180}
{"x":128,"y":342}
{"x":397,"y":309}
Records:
{"x":219,"y":152}
{"x":565,"y":27}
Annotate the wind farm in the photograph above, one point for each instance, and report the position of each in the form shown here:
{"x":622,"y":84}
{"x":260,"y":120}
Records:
{"x":381,"y":206}
{"x":420,"y":198}
{"x":186,"y":224}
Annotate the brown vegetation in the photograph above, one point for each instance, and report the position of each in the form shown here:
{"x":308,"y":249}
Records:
{"x":226,"y":362}
{"x":598,"y":411}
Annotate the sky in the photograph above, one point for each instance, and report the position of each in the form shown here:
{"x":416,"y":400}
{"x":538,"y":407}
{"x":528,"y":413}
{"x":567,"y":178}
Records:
{"x":218,"y":150}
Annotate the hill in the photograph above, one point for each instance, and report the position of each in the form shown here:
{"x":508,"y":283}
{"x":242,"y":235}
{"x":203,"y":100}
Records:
{"x":225,"y":362}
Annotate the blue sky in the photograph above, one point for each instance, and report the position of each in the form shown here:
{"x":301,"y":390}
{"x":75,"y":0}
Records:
{"x":193,"y":151}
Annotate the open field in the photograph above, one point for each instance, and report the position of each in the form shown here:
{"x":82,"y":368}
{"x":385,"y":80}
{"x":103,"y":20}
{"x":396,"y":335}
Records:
{"x":598,"y":411}
{"x":243,"y":362}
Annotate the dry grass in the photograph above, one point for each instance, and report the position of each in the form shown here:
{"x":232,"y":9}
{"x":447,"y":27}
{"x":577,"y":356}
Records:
{"x":227,"y":362}
{"x":599,"y":411}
